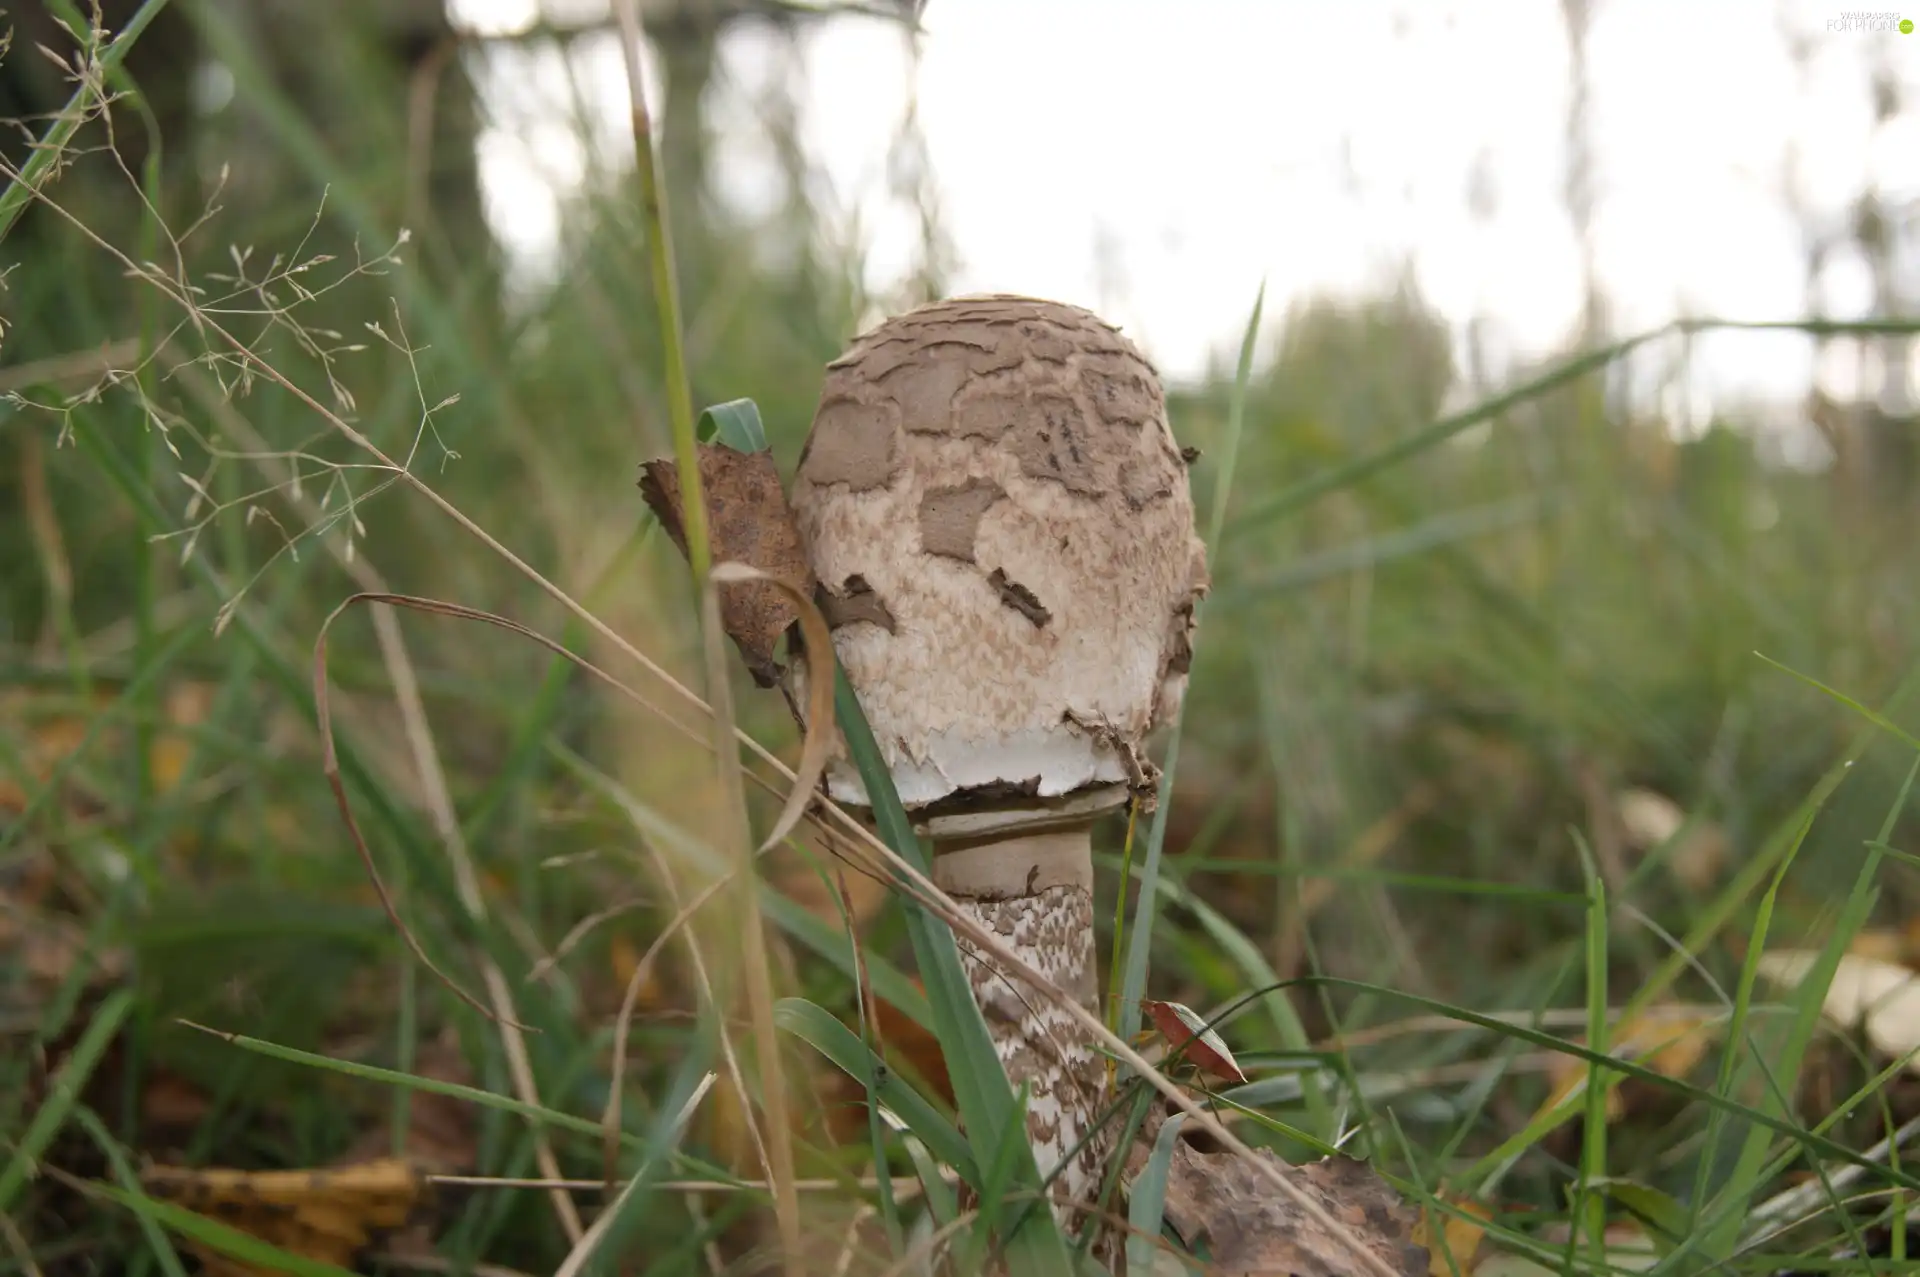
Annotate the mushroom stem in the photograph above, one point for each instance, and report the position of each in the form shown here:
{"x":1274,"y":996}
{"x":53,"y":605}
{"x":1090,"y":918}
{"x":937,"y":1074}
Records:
{"x":1031,"y":884}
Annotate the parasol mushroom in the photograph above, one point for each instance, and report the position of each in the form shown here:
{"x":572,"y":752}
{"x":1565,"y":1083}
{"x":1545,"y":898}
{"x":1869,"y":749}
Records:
{"x":998,"y":516}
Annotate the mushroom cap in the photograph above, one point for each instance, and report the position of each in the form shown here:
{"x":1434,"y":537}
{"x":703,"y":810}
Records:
{"x":999,"y":518}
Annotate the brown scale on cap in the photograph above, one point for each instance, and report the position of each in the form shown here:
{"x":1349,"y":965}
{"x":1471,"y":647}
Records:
{"x":998,"y":475}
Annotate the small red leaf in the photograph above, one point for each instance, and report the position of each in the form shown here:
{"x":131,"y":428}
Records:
{"x":1183,"y":1027}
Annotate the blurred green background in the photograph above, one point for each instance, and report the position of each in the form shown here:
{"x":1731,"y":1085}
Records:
{"x":1421,"y":687}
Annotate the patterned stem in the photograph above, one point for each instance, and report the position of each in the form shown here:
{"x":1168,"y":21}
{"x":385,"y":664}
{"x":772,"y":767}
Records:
{"x":1034,"y":891}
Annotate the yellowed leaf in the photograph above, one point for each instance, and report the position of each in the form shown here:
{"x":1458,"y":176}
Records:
{"x":329,"y":1215}
{"x":1452,"y":1240}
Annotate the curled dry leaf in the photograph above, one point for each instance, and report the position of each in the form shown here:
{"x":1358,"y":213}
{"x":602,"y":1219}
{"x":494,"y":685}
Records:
{"x":327,"y":1215}
{"x":1188,"y":1034}
{"x":749,"y":522}
{"x":1224,"y":1202}
{"x":819,"y":715}
{"x":1883,"y":998}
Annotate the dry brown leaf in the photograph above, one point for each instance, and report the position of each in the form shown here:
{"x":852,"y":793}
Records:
{"x":817,"y":721}
{"x":1668,"y":1041}
{"x":748,"y":522}
{"x":1461,"y":1235}
{"x":1250,"y":1228}
{"x":328,"y":1215}
{"x":1882,"y":998}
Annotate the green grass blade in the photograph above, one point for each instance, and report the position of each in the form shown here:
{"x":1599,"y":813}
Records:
{"x":939,"y":1194}
{"x":48,"y":152}
{"x":1260,"y":975}
{"x":1589,"y":1206}
{"x":1139,"y":937}
{"x":1639,"y":1072}
{"x":1409,"y":542}
{"x":1147,"y":1200}
{"x":1364,"y":467}
{"x":393,"y":1077}
{"x":998,"y":1197}
{"x":980,"y":1085}
{"x":1873,"y":716}
{"x":660,"y":1144}
{"x":735,"y":423}
{"x":890,"y":984}
{"x":63,"y":1093}
{"x":839,"y":1044}
{"x":123,"y":1172}
{"x":1783,"y":1064}
{"x":218,"y":1236}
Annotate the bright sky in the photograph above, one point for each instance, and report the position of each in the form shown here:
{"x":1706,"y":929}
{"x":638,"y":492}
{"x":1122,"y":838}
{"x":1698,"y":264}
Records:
{"x":1157,"y":161}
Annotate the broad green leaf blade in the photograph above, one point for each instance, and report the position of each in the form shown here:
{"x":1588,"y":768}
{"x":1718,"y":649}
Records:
{"x":939,"y":1193}
{"x":997,"y":1193}
{"x":735,"y":423}
{"x":1147,"y":1201}
{"x":1666,"y":1218}
{"x":812,"y":1025}
{"x":980,"y":1086}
